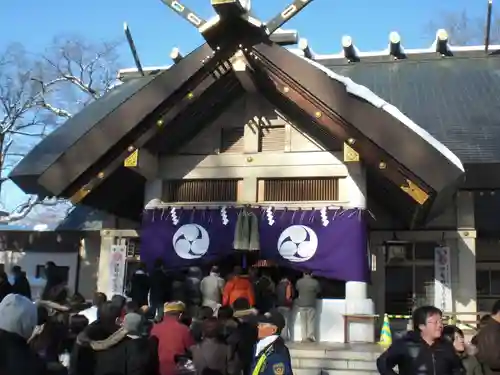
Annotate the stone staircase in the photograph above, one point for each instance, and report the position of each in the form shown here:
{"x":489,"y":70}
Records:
{"x":334,"y":359}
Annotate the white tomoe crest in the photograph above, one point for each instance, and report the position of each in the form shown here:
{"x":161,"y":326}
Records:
{"x":191,"y":241}
{"x":297,"y":243}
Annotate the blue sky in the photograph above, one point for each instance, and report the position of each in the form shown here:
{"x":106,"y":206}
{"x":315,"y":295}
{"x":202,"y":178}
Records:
{"x":156,"y":30}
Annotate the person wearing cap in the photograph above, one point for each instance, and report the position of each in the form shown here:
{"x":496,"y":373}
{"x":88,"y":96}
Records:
{"x":174,"y":337}
{"x":271,"y":354}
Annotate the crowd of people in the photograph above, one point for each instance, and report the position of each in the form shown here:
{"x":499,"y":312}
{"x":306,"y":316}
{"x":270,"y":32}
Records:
{"x":169,"y":325}
{"x":193,"y":325}
{"x":257,"y":287}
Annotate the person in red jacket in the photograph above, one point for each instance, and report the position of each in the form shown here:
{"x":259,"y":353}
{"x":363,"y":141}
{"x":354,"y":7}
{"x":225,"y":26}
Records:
{"x":239,"y":286}
{"x":174,"y":337}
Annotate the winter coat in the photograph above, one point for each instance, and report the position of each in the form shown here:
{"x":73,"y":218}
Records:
{"x":193,"y":286}
{"x":174,"y":339}
{"x":243,"y":338}
{"x":472,"y":365}
{"x":487,"y":342}
{"x":414,"y":356}
{"x":16,"y":357}
{"x":213,"y":357}
{"x":211,"y":289}
{"x":101,"y":350}
{"x":22,"y":286}
{"x":5,"y":288}
{"x":159,"y":287}
{"x":139,"y":287}
{"x":238,"y":287}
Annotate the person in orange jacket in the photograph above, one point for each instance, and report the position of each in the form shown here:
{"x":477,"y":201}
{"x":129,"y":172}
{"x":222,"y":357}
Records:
{"x":238,"y":286}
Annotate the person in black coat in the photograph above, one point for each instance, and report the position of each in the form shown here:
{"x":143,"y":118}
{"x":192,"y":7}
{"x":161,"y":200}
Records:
{"x":5,"y":287}
{"x":271,"y":355}
{"x":159,"y":289}
{"x":21,"y":284}
{"x":139,"y":286}
{"x":422,"y":351}
{"x":55,"y":288}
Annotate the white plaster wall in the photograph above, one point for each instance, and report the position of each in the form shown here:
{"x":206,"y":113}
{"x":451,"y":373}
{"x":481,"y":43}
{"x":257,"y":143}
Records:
{"x":89,"y":264}
{"x":29,"y":261}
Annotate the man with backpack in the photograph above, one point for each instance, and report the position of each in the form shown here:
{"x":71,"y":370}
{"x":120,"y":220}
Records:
{"x":284,"y":304}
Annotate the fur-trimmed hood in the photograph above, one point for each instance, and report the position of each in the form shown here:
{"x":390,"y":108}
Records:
{"x":244,"y":313}
{"x":101,"y":338}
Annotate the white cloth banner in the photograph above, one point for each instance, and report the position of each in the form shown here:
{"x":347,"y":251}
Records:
{"x":117,"y":260}
{"x":442,"y":279}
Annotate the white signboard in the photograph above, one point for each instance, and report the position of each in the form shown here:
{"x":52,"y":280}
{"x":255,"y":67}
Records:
{"x":117,"y":270}
{"x":442,"y":279}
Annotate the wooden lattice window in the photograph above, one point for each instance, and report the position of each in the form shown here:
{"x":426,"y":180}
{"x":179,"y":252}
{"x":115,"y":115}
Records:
{"x":298,"y":189}
{"x":213,"y":190}
{"x":272,"y":138}
{"x":232,"y":140}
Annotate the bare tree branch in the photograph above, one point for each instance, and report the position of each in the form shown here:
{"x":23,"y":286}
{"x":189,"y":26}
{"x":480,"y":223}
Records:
{"x":76,"y":70}
{"x":38,"y":94}
{"x":463,"y":29}
{"x":24,"y":209}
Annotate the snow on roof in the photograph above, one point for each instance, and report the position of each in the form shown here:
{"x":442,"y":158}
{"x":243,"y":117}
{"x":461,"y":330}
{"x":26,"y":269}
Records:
{"x":368,"y":95}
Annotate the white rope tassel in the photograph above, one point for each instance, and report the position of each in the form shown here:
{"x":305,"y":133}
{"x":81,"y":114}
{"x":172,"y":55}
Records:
{"x":173,"y":215}
{"x":324,"y":217}
{"x":223,"y":214}
{"x":270,"y":216}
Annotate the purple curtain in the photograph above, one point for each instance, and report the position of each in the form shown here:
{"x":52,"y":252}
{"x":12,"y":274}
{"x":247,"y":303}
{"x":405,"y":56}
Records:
{"x":184,"y":238}
{"x":329,"y":243}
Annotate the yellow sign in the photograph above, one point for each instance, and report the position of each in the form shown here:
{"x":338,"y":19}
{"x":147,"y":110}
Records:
{"x":415,"y":192}
{"x":350,"y":154}
{"x":132,"y":160}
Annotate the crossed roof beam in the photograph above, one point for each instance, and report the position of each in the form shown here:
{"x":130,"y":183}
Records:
{"x":226,"y":9}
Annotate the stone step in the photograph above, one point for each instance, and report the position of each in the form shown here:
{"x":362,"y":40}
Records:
{"x":369,"y":352}
{"x":334,"y":354}
{"x":333,"y":364}
{"x":319,"y":371}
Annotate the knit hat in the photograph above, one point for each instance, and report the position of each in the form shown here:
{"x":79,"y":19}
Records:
{"x":18,"y":315}
{"x":134,"y":323}
{"x":177,"y":306}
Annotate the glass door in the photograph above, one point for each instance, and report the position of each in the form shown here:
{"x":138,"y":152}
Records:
{"x":409,"y":277}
